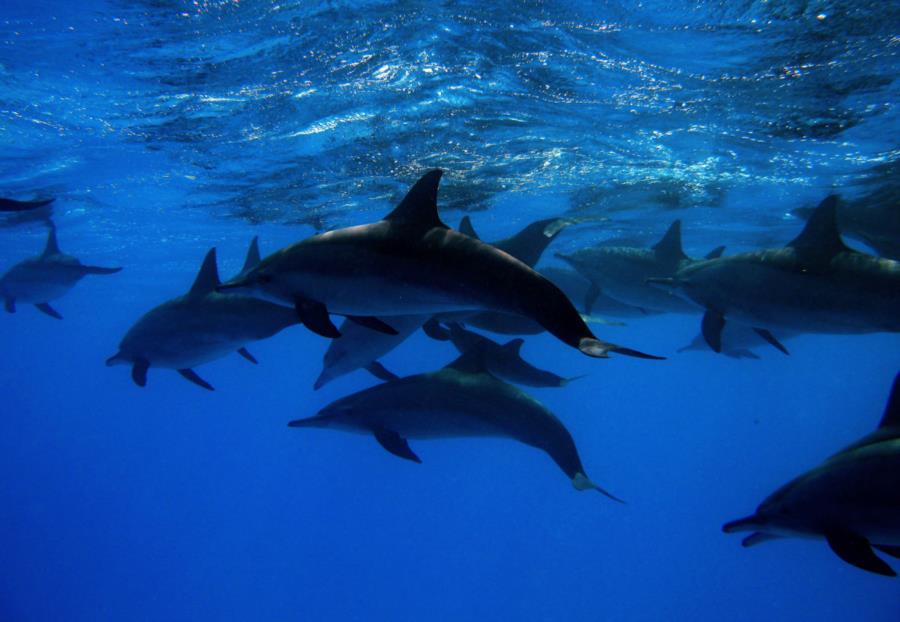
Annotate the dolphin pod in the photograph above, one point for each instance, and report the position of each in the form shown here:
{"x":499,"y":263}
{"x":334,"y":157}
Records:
{"x":412,"y":263}
{"x":852,"y":500}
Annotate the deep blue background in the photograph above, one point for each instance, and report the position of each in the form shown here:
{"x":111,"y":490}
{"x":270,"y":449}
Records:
{"x":170,"y":134}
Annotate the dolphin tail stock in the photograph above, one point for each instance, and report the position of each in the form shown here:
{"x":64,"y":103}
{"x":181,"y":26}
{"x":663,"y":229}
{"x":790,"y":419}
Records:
{"x":581,"y":482}
{"x":99,"y":270}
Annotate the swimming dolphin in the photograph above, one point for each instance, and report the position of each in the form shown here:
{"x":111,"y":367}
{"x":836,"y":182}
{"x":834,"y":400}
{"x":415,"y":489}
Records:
{"x":11,"y":205}
{"x":460,"y":400}
{"x":411,"y":263}
{"x":621,"y":272}
{"x":588,"y":298}
{"x":360,"y":347}
{"x":200,"y":326}
{"x":49,"y":276}
{"x":504,"y":361}
{"x":874,"y":219}
{"x":814,"y":284}
{"x":852,"y":500}
{"x":738,"y":342}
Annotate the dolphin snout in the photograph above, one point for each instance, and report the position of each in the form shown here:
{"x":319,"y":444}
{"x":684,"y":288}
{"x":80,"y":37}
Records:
{"x":749,"y":523}
{"x":116,"y":359}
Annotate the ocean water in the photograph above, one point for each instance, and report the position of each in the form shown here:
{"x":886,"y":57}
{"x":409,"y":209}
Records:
{"x":166,"y":127}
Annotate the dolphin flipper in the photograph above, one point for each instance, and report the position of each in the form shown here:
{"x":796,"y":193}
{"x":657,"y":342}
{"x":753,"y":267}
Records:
{"x":395,"y":444}
{"x":856,"y":551}
{"x":99,"y":270}
{"x":314,"y":316}
{"x":373,"y":323}
{"x":139,"y":372}
{"x":190,"y":374}
{"x":379,"y":371}
{"x":246,"y":354}
{"x":10,"y":305}
{"x":711,"y":327}
{"x":770,"y":338}
{"x":44,"y":307}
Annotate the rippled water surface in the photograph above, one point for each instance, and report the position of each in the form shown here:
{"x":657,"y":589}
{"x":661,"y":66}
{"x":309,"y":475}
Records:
{"x":166,"y":127}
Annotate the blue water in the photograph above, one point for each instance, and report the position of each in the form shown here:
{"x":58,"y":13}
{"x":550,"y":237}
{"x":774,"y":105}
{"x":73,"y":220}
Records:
{"x":167,"y":127}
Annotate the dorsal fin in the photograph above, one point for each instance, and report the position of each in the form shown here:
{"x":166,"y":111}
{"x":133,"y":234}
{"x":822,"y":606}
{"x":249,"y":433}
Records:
{"x":669,"y":247}
{"x":529,"y":243}
{"x":820,"y":239}
{"x":466,"y":228}
{"x":715,"y":253}
{"x":471,"y":361}
{"x":252,"y":255}
{"x":891,"y":416}
{"x":419,"y":207}
{"x":208,"y":278}
{"x":514,"y":346}
{"x":52,"y":245}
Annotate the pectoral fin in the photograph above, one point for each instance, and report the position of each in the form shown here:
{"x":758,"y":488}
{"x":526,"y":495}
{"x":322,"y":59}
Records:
{"x":46,"y":308}
{"x":246,"y":353}
{"x":379,"y":371}
{"x":856,"y":551}
{"x":770,"y":338}
{"x":395,"y":444}
{"x":139,"y":372}
{"x":314,"y":316}
{"x":190,"y":374}
{"x":373,"y":323}
{"x":711,"y":327}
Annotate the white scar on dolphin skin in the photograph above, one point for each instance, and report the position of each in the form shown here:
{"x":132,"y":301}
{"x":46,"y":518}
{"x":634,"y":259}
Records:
{"x":49,"y":276}
{"x":461,"y":400}
{"x":814,"y":284}
{"x":412,"y":263}
{"x":200,"y":326}
{"x":852,"y":500}
{"x":621,"y":272}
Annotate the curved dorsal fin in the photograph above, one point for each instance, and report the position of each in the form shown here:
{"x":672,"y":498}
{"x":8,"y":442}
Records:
{"x":471,"y":361}
{"x":208,"y":278}
{"x":669,"y":247}
{"x":419,"y":207}
{"x":466,"y":228}
{"x":891,"y":416}
{"x":52,"y":245}
{"x":715,"y":253}
{"x":529,"y":244}
{"x":820,"y":239}
{"x":252,"y":255}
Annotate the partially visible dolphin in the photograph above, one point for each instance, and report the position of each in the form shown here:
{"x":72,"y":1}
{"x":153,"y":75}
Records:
{"x":200,"y":326}
{"x":49,"y":276}
{"x":360,"y":347}
{"x":621,"y":272}
{"x":588,"y":298}
{"x":738,"y":342}
{"x":412,"y":263}
{"x":815,"y":284}
{"x":11,"y":205}
{"x":460,"y":400}
{"x":504,"y":361}
{"x":874,"y":219}
{"x":852,"y":500}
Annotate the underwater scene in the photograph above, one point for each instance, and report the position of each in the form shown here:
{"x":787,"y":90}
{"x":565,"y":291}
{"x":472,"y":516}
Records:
{"x":522,"y":310}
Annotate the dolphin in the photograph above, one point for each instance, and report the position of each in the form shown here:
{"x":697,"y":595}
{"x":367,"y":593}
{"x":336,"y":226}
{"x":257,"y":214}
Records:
{"x":504,"y":361}
{"x":460,"y":400}
{"x":360,"y":347}
{"x":588,"y":298}
{"x":49,"y":276}
{"x":814,"y":284}
{"x":738,"y":342}
{"x":200,"y":326}
{"x":622,"y":271}
{"x":412,"y":263}
{"x":852,"y":500}
{"x":11,"y":205}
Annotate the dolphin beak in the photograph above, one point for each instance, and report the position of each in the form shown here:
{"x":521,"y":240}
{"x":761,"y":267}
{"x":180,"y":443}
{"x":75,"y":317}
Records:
{"x":749,"y":523}
{"x":115,"y":359}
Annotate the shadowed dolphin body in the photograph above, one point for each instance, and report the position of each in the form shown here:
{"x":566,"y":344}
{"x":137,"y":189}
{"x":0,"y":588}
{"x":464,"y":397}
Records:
{"x":200,"y":326}
{"x":460,"y":400}
{"x":852,"y":500}
{"x":815,"y":284}
{"x":49,"y":276}
{"x":412,"y":263}
{"x":504,"y":361}
{"x":621,"y":272}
